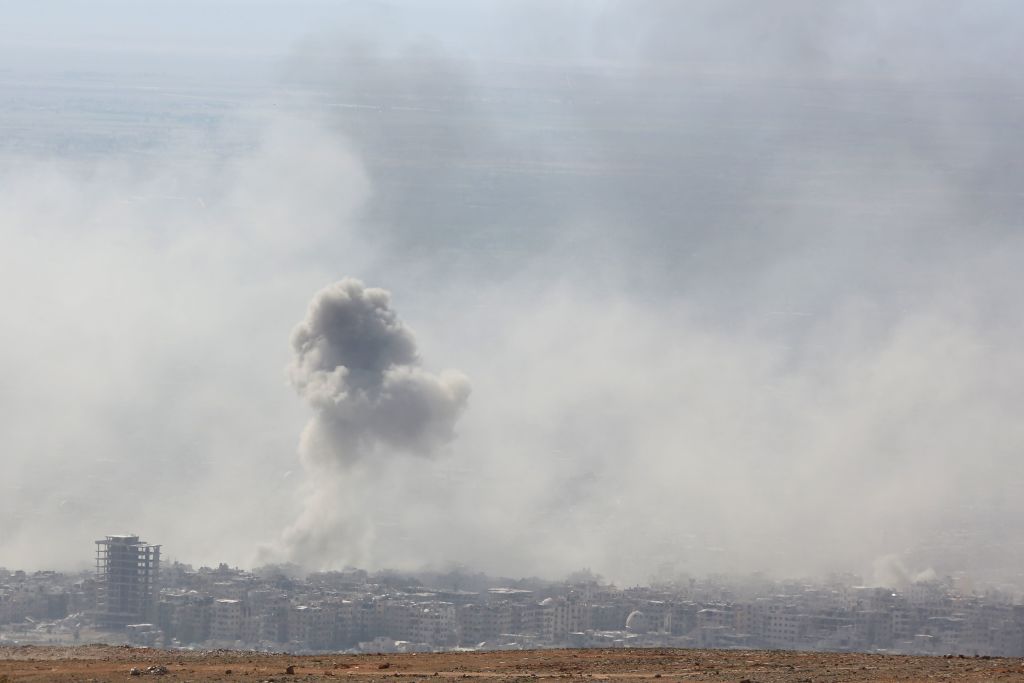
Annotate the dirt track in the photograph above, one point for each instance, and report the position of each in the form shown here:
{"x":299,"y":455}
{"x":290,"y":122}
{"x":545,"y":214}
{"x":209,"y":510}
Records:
{"x":110,"y":663}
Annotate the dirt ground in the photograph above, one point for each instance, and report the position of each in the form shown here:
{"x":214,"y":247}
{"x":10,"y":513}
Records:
{"x":115,"y":663}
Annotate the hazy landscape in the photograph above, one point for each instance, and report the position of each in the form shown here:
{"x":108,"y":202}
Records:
{"x":665,"y":290}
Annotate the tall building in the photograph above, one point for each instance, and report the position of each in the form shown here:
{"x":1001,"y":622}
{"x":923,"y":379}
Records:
{"x":127,"y":576}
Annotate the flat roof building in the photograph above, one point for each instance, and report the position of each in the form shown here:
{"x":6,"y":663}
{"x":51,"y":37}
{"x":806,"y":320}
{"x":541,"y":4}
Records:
{"x":127,"y":576}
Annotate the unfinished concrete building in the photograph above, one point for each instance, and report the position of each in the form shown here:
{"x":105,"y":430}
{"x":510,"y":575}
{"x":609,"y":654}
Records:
{"x":127,"y":575}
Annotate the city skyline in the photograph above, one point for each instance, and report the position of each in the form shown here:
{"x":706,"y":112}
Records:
{"x":277,"y":608}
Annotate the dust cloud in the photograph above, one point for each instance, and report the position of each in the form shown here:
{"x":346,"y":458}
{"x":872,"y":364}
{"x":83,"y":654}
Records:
{"x":735,"y":286}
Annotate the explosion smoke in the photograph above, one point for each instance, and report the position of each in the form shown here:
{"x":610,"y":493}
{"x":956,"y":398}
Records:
{"x":357,"y":366}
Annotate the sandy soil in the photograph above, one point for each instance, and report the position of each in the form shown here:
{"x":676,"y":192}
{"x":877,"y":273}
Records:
{"x":112,"y":663}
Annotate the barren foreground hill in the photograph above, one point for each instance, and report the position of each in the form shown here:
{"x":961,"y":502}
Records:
{"x":111,"y":663}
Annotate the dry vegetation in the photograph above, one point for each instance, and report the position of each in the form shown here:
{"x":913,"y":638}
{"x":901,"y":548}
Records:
{"x":109,"y":663}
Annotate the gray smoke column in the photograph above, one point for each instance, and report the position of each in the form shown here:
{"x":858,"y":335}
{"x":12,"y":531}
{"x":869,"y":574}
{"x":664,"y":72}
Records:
{"x":357,"y":366}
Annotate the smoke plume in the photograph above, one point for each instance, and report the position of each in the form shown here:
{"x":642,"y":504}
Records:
{"x":357,"y":366}
{"x":736,"y":282}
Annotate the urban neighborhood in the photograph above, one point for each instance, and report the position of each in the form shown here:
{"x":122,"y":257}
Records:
{"x":132,"y":598}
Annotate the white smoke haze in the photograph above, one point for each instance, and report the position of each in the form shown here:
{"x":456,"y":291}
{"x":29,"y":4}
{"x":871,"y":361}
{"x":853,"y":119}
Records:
{"x":735,"y":285}
{"x":889,"y":570}
{"x":146,"y":303}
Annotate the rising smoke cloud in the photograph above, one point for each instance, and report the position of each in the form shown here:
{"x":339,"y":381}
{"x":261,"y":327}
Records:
{"x":357,"y":366}
{"x":736,"y":286}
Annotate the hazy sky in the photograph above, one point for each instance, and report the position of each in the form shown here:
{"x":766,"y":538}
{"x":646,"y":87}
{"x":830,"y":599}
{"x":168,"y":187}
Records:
{"x":734,"y":286}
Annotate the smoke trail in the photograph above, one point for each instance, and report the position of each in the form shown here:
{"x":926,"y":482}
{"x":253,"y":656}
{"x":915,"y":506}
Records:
{"x":357,"y":366}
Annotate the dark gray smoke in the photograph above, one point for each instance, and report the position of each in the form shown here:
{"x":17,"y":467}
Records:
{"x":357,"y":366}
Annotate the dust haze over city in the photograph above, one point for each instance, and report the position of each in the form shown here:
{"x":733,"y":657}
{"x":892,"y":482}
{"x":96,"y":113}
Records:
{"x":652,"y":288}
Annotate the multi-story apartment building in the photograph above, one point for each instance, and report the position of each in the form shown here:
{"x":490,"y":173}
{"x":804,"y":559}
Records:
{"x":127,"y":576}
{"x":228,"y":623}
{"x":185,"y":617}
{"x":480,"y":623}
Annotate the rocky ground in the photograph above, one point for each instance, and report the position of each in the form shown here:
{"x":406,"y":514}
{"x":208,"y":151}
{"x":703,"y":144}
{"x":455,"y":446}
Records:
{"x":113,"y":663}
